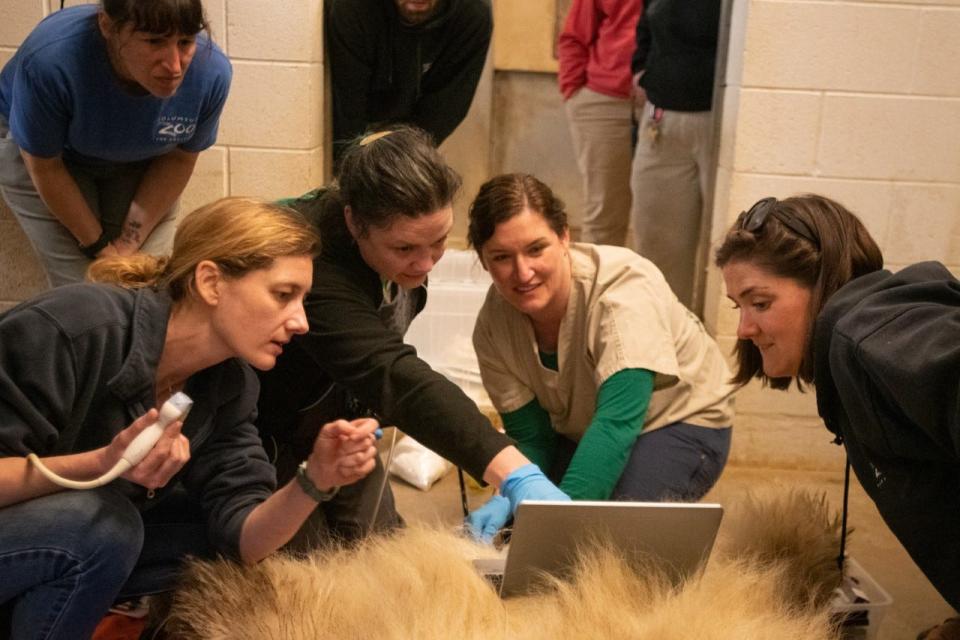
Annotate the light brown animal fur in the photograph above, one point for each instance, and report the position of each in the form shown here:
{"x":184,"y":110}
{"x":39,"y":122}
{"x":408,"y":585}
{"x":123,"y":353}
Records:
{"x":420,"y":585}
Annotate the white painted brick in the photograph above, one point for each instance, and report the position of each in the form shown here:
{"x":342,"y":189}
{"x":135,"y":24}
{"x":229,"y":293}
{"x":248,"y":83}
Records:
{"x":925,"y":224}
{"x":19,"y":19}
{"x":272,"y":31}
{"x":830,"y":45}
{"x":777,"y":131}
{"x":275,"y":174}
{"x":937,"y":68}
{"x":274,"y":105}
{"x":868,"y":200}
{"x":217,"y":17}
{"x":208,"y":182}
{"x":890,"y":138}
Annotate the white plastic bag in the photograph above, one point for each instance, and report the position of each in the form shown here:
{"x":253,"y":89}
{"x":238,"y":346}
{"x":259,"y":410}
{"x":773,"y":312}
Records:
{"x":416,"y":464}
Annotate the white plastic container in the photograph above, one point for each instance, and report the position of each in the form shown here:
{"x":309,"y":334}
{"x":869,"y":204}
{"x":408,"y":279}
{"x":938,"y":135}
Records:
{"x":863,"y":619}
{"x":443,"y":332}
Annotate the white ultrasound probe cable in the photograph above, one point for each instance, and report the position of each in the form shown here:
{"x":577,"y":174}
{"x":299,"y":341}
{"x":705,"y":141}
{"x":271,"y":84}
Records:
{"x":173,"y":409}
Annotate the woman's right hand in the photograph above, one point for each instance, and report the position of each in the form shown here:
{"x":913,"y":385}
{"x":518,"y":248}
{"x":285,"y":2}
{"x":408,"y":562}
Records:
{"x":343,"y":453}
{"x":165,"y":459}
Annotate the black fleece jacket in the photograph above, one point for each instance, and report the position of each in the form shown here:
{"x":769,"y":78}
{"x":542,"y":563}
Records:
{"x":78,"y":365}
{"x":351,"y":345}
{"x":385,"y":71}
{"x":677,"y":51}
{"x":887,"y":375}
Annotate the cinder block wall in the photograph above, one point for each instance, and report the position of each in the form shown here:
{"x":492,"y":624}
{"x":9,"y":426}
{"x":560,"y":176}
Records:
{"x":271,"y":140}
{"x":859,"y":101}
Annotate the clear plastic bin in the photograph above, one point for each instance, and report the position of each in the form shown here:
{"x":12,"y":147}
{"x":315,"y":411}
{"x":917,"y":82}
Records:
{"x":861,"y":621}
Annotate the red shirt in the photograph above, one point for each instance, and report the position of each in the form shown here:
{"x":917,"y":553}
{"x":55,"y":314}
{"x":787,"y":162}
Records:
{"x":596,"y":45}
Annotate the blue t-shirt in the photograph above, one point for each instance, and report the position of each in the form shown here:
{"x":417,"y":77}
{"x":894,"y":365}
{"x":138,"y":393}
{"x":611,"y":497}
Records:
{"x":60,"y":93}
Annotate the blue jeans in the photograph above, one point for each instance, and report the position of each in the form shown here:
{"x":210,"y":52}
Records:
{"x":678,"y":462}
{"x":66,"y":558}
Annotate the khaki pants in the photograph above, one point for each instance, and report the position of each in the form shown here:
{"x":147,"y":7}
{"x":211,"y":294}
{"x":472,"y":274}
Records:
{"x":600,"y":126}
{"x":669,"y":181}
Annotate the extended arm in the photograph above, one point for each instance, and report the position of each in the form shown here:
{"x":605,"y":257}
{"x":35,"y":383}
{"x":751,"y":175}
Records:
{"x":530,"y":427}
{"x":343,"y":453}
{"x":604,"y":449}
{"x":163,"y":182}
{"x":62,"y":196}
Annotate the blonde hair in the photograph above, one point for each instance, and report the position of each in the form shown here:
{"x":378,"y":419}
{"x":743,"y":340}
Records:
{"x":240,"y":235}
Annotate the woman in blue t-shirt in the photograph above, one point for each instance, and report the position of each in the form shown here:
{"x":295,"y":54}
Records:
{"x":103,"y":111}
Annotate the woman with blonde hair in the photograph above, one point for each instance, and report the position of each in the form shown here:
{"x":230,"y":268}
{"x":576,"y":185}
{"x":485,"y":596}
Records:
{"x":82,"y":368}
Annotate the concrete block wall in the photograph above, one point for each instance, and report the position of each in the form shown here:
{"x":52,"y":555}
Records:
{"x":271,"y":139}
{"x":859,"y":101}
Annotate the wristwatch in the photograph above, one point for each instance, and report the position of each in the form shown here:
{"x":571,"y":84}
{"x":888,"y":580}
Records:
{"x":91,"y":250}
{"x":311,"y":489}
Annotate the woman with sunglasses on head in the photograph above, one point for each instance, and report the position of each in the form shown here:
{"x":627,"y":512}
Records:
{"x":384,"y":223}
{"x":600,"y":374}
{"x":81,"y":370}
{"x":882,"y":350}
{"x":103,"y":112}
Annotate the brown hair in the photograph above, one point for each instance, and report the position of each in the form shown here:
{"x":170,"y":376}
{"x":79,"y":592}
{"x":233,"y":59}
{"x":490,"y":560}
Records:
{"x":507,"y":195}
{"x":846,"y":251}
{"x":162,"y":17}
{"x":394,"y":172}
{"x":239,"y":234}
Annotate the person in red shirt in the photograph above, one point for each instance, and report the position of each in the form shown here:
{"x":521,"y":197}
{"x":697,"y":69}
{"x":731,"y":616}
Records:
{"x":595,"y":48}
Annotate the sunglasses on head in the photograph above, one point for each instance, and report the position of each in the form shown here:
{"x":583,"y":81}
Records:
{"x":755,"y":217}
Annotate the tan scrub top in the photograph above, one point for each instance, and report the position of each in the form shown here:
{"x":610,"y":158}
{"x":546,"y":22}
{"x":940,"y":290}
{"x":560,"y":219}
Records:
{"x":621,"y":315}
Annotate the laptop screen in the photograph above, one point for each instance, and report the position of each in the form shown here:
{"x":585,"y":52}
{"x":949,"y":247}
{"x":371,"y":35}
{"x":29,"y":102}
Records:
{"x":546,"y":537}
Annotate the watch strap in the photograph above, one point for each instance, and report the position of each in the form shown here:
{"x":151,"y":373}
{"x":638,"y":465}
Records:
{"x":91,"y":250}
{"x":310,"y":488}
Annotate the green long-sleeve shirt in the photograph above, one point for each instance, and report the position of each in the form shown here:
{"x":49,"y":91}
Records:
{"x":605,"y":447}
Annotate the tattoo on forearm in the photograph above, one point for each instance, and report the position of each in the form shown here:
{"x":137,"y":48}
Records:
{"x":131,"y":232}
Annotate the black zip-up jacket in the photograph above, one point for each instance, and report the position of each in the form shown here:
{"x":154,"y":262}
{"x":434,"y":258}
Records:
{"x":887,"y":375}
{"x":351,"y":345}
{"x":78,"y":365}
{"x":677,"y":51}
{"x":385,"y":71}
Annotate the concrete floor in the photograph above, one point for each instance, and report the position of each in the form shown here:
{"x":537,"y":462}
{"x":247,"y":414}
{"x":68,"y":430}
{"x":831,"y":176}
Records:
{"x":916,"y":605}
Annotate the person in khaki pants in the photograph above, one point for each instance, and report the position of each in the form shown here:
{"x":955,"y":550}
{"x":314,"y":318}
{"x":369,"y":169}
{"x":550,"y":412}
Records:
{"x":674,"y":65}
{"x":594,"y":49}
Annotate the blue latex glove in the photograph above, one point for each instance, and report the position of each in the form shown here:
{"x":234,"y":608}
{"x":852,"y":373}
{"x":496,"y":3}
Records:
{"x":529,"y":483}
{"x":483,"y":523}
{"x":523,"y":483}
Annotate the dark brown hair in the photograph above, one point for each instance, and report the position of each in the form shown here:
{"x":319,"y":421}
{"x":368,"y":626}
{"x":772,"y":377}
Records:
{"x":846,"y":251}
{"x":507,"y":195}
{"x":161,"y":17}
{"x":396,"y":172}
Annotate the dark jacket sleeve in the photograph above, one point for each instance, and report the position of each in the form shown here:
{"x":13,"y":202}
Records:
{"x":350,"y":343}
{"x":229,"y":471}
{"x":38,"y":384}
{"x":352,"y":47}
{"x":639,"y":61}
{"x":450,"y":84}
{"x":900,"y":356}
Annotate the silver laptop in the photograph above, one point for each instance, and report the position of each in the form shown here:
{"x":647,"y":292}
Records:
{"x":677,"y":536}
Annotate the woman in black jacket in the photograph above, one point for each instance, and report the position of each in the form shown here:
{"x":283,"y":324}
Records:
{"x":384,"y":224}
{"x":882,"y":349}
{"x":82,"y":368}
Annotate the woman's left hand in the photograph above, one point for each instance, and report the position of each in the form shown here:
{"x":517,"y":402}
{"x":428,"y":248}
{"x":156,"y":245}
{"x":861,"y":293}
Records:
{"x":343,"y":453}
